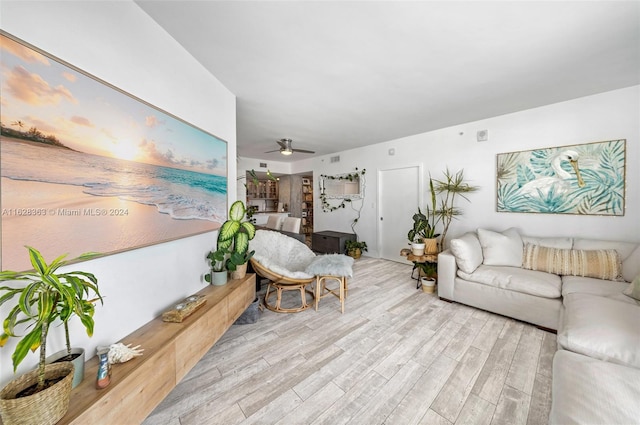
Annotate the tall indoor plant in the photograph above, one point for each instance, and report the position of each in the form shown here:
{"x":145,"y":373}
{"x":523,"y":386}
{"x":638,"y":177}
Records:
{"x":449,"y":188}
{"x":45,"y":297}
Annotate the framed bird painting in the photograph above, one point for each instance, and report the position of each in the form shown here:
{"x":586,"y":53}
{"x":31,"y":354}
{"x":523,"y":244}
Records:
{"x":586,"y":179}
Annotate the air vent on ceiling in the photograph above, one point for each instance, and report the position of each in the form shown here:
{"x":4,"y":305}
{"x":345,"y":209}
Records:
{"x":335,"y":158}
{"x":263,"y":165}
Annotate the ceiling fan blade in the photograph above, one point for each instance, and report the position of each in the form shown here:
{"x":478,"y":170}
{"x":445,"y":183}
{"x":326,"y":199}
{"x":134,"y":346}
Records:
{"x":277,"y":150}
{"x":302,"y":151}
{"x":282,"y":143}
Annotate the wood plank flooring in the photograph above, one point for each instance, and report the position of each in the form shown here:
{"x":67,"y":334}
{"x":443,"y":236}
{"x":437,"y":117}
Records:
{"x":396,"y":356}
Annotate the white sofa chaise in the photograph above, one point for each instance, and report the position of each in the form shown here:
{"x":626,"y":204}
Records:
{"x":579,"y":287}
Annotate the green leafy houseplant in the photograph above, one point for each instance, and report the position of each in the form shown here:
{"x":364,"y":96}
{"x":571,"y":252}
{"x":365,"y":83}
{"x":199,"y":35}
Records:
{"x":424,"y":224}
{"x":46,"y":297}
{"x":233,"y":239}
{"x":355,"y":248}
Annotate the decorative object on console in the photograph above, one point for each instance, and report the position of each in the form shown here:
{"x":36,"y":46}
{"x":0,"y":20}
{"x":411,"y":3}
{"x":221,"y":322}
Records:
{"x":107,"y":140}
{"x":120,"y":353}
{"x":45,"y":297}
{"x":184,"y":309}
{"x":576,"y":179}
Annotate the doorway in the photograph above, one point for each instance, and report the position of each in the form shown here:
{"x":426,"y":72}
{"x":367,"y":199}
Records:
{"x":399,"y":195}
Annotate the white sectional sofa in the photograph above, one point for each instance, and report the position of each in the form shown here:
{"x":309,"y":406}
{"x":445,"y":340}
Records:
{"x":581,"y":288}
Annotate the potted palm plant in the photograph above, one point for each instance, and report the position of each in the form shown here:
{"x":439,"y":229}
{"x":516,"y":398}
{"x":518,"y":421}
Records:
{"x":41,"y":396}
{"x":449,"y":188}
{"x":233,"y":239}
{"x":84,"y":309}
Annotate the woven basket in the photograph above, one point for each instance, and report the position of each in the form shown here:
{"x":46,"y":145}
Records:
{"x":431,"y":246}
{"x":44,"y":408}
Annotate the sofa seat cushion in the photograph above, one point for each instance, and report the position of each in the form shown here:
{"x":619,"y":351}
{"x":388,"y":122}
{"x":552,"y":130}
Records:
{"x":589,"y":285}
{"x":590,"y":391}
{"x":517,"y":279}
{"x":601,"y":328}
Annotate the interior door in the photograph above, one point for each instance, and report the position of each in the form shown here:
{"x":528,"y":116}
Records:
{"x":399,"y":195}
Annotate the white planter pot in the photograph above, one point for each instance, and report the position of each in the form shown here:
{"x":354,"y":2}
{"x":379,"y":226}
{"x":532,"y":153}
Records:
{"x":428,"y":285}
{"x":417,"y":248}
{"x":78,"y":363}
{"x":219,"y":278}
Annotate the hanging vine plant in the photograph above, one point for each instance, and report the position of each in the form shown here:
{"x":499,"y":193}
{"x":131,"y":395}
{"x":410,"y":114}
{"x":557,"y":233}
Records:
{"x":357,"y":175}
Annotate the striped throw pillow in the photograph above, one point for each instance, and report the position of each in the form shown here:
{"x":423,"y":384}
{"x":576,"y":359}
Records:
{"x":601,"y":264}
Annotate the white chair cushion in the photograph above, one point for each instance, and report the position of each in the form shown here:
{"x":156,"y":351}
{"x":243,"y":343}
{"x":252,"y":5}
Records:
{"x":467,"y":251}
{"x":282,"y":254}
{"x":501,"y":249}
{"x":516,"y":279}
{"x":331,"y":265}
{"x":601,"y":328}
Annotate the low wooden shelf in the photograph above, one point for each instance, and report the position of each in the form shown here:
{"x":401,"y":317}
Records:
{"x":170,"y":351}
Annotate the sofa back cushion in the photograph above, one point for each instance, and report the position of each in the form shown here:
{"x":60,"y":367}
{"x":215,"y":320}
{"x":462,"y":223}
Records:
{"x":602,"y":263}
{"x":501,"y":249}
{"x":629,"y":254}
{"x":563,"y":243}
{"x":467,"y":251}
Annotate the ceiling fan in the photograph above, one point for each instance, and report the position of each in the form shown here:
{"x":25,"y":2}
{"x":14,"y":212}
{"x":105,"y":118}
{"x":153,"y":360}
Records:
{"x":286,"y":149}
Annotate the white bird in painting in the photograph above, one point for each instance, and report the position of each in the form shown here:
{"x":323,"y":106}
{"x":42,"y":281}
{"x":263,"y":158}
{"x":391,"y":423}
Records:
{"x":542,"y":185}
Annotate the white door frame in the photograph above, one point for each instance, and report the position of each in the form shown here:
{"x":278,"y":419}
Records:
{"x":420,"y":167}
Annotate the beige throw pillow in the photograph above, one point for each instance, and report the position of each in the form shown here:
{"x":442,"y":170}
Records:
{"x":601,"y":263}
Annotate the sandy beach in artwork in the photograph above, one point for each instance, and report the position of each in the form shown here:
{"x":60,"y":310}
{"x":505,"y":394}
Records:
{"x":58,"y":219}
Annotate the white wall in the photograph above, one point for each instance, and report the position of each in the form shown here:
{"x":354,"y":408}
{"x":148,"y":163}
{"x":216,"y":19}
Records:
{"x":117,"y":42}
{"x":606,"y":116}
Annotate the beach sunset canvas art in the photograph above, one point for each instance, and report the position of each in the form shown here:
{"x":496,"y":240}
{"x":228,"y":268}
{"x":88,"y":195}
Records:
{"x":86,"y":167}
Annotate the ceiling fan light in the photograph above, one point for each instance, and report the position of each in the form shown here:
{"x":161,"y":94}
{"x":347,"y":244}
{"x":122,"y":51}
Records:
{"x":286,"y":151}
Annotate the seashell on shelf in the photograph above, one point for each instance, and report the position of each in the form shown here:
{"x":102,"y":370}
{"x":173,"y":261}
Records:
{"x":120,"y":353}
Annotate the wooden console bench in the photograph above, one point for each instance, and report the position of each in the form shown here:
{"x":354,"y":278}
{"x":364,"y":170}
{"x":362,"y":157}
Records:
{"x":170,"y":351}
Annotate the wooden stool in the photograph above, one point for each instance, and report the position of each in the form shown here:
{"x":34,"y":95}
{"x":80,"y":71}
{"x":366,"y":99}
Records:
{"x":322,"y":290}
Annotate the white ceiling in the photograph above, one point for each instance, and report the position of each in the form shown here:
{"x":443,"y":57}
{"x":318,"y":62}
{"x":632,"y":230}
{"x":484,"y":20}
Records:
{"x":337,"y":75}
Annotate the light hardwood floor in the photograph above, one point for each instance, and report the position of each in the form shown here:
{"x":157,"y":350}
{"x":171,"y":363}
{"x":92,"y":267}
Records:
{"x":396,"y":356}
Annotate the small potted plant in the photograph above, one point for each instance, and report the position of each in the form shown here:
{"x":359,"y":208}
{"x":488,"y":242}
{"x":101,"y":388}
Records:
{"x":424,"y":231}
{"x":355,"y":248}
{"x":428,"y":273}
{"x":218,"y":274}
{"x":41,"y":396}
{"x":233,"y":239}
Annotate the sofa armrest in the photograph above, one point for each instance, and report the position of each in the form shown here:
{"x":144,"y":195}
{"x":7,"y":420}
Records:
{"x":447,"y":271}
